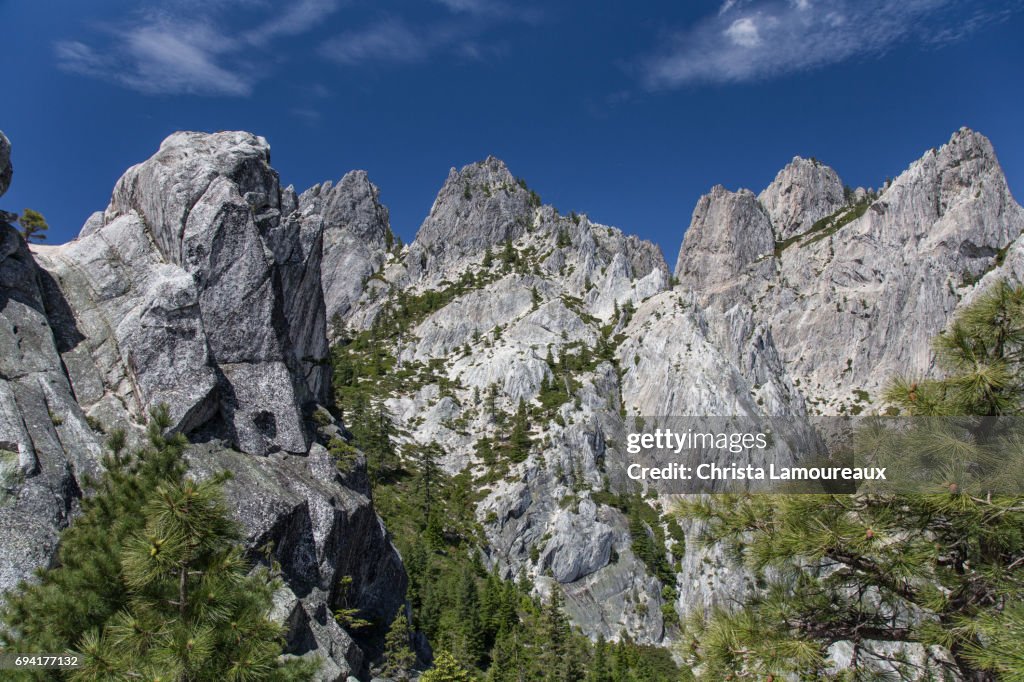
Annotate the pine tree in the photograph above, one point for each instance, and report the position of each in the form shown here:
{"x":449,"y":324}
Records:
{"x":151,"y":581}
{"x":447,"y":669}
{"x":950,"y":555}
{"x":508,"y":658}
{"x":469,"y":622}
{"x":519,"y":440}
{"x":345,"y":613}
{"x":509,"y":256}
{"x":84,"y":589}
{"x":33,"y":225}
{"x":599,"y":668}
{"x":398,"y":654}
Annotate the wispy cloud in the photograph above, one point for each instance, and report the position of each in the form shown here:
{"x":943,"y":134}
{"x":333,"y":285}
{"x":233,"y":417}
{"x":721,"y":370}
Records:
{"x":187,"y":47}
{"x":460,"y":32}
{"x":225,"y":47}
{"x":749,"y":40}
{"x":390,"y":40}
{"x":161,"y":56}
{"x":298,"y":18}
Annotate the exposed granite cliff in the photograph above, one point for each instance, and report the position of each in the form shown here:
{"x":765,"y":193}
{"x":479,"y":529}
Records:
{"x":206,"y":286}
{"x":855,"y":299}
{"x":357,"y":237}
{"x":5,"y":163}
{"x":45,"y":442}
{"x":198,"y":287}
{"x":478,"y":207}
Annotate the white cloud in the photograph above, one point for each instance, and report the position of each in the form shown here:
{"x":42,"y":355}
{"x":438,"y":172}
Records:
{"x":161,"y":56}
{"x":185,"y":49}
{"x":756,"y":39}
{"x":743,"y":32}
{"x":387,"y":41}
{"x":393,"y":41}
{"x":298,"y":18}
{"x":225,"y":47}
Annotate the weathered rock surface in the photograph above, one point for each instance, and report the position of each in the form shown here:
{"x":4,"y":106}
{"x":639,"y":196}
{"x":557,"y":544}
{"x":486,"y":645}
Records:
{"x":856,"y":301}
{"x":320,"y":528}
{"x":357,"y":236}
{"x":5,"y":163}
{"x":192,"y":290}
{"x":196,"y":292}
{"x":45,"y":442}
{"x":44,"y":438}
{"x":732,"y":234}
{"x":803,"y":192}
{"x":478,"y":207}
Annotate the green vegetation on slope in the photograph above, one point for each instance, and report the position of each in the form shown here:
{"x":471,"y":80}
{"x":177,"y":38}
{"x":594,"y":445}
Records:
{"x":481,"y":625}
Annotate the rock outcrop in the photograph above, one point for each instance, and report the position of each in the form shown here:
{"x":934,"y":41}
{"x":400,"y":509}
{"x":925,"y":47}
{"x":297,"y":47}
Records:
{"x":357,"y":237}
{"x":803,"y":192}
{"x":733,"y":235}
{"x":478,"y":207}
{"x":5,"y":163}
{"x":199,"y":288}
{"x":196,"y":292}
{"x":45,"y":441}
{"x":855,"y":299}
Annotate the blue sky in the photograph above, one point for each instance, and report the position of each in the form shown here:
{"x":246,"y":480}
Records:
{"x":626,"y":111}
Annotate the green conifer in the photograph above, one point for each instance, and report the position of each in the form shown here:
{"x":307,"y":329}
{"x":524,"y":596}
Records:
{"x":399,"y":658}
{"x":447,"y":669}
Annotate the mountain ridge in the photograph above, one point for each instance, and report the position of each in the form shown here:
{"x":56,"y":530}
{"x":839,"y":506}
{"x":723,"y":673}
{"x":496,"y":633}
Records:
{"x":207,"y":286}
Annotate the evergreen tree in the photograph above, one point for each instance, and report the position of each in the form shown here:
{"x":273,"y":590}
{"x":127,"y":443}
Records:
{"x":469,"y":621}
{"x":346,"y":614}
{"x":599,"y":666}
{"x":33,"y":225}
{"x":85,"y":588}
{"x":508,"y":658}
{"x":447,"y":669}
{"x":399,"y":658}
{"x":151,"y":582}
{"x":509,"y":256}
{"x":935,"y":568}
{"x":519,"y":440}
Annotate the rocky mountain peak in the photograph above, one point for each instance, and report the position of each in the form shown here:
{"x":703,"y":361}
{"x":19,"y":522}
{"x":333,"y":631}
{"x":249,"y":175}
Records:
{"x":194,"y":291}
{"x":164,"y":189}
{"x":480,"y":206}
{"x":728,"y":231}
{"x":6,"y":170}
{"x":357,"y":235}
{"x":802,"y":193}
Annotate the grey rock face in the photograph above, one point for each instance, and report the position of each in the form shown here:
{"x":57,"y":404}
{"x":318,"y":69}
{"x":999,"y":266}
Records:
{"x":357,"y":236}
{"x":45,"y":441}
{"x":572,"y":277}
{"x":321,"y":529}
{"x":196,"y":292}
{"x":803,"y":192}
{"x":730,"y":235}
{"x":478,"y":207}
{"x":857,"y":303}
{"x":44,"y":438}
{"x":6,"y":170}
{"x":191,"y":289}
